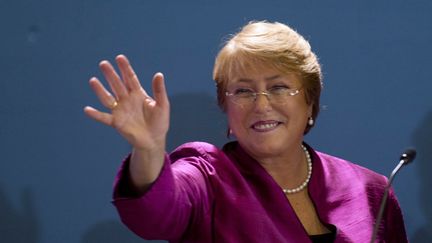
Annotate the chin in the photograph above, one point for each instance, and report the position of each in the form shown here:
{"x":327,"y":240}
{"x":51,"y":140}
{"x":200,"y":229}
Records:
{"x":264,"y":150}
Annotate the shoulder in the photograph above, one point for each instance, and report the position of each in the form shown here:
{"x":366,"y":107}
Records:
{"x":198,"y":158}
{"x":197,"y":149}
{"x":348,"y":170}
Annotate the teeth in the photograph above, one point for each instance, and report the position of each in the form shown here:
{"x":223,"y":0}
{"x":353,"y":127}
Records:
{"x":266,"y":126}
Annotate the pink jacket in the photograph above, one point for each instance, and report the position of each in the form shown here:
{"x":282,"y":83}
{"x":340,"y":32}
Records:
{"x":205,"y":194}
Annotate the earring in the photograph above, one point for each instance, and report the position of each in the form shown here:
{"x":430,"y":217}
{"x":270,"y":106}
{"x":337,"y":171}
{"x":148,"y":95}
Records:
{"x":310,"y":121}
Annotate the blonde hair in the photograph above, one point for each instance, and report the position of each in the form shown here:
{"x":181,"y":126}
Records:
{"x":272,"y":45}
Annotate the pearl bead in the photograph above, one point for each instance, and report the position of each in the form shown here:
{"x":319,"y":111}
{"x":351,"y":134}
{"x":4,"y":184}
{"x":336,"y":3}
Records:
{"x":309,"y":174}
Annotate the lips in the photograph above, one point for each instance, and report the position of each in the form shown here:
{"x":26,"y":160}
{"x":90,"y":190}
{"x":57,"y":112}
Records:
{"x":264,"y":126}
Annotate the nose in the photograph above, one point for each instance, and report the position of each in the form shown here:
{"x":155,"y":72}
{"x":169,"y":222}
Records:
{"x":262,"y":102}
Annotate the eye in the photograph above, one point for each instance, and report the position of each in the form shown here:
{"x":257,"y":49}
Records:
{"x":243,"y":92}
{"x":279,"y":89}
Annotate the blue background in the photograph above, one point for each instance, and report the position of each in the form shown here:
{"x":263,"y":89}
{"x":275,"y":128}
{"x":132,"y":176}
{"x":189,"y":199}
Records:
{"x":57,"y":166}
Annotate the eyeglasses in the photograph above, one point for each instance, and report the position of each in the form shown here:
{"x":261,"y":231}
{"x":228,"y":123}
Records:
{"x":277,"y":94}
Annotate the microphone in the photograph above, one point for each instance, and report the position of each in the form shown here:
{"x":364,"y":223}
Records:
{"x":407,"y":157}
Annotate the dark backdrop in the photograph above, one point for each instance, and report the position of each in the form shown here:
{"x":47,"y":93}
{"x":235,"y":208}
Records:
{"x":57,"y":166}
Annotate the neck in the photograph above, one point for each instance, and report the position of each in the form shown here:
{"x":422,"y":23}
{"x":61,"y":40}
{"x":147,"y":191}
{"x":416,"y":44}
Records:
{"x":288,"y":171}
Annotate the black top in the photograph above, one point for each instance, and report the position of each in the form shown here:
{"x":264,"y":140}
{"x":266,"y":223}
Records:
{"x":325,"y":238}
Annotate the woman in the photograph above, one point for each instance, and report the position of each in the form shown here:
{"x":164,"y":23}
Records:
{"x":268,"y":186}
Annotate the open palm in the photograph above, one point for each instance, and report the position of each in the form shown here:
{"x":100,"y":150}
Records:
{"x":142,"y":120}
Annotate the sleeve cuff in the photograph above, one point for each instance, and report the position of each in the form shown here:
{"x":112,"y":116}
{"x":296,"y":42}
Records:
{"x":123,"y":189}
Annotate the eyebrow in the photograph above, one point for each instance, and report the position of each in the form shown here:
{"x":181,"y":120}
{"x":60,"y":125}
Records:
{"x":273,"y":77}
{"x":246,"y":80}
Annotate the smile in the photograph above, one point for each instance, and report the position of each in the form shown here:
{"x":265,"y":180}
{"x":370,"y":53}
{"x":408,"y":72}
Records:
{"x":265,"y":126}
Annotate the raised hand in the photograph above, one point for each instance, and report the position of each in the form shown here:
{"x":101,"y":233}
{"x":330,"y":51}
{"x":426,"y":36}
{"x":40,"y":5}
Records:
{"x":140,"y":119}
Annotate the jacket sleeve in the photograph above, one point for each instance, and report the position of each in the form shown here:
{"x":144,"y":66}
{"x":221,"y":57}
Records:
{"x":394,"y":223}
{"x":174,"y":200}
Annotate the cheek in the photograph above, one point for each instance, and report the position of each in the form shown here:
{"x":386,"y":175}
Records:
{"x":235,"y":115}
{"x":297,"y":112}
{"x":232,"y":114}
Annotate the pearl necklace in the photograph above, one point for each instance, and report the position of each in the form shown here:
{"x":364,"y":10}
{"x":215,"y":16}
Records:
{"x":306,"y":182}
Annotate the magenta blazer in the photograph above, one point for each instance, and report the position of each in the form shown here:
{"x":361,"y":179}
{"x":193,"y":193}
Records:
{"x":205,"y":194}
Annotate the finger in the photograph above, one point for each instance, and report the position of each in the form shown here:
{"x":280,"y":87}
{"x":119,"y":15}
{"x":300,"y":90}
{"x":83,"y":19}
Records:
{"x":117,"y":86}
{"x":127,"y":72}
{"x":102,"y":93}
{"x":99,"y":116}
{"x":159,"y":90}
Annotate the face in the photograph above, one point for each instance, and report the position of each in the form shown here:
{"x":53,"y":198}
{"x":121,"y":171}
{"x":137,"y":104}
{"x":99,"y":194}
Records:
{"x":265,"y":128}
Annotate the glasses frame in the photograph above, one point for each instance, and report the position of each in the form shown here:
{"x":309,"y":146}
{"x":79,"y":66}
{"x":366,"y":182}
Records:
{"x":254,"y":96}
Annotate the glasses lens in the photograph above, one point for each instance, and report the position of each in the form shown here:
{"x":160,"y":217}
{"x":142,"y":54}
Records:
{"x":247,"y":97}
{"x":282,"y":95}
{"x":242,"y":99}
